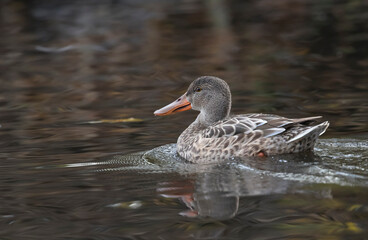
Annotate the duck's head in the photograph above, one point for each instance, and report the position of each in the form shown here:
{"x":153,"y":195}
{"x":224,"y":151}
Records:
{"x":209,"y":95}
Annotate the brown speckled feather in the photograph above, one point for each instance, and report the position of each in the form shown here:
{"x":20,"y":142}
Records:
{"x":247,"y":135}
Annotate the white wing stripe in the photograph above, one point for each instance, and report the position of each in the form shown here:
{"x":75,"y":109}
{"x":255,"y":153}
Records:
{"x":302,"y":134}
{"x":272,"y":131}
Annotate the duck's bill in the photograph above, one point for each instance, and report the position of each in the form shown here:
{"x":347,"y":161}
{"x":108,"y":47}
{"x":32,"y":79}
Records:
{"x":179,"y":105}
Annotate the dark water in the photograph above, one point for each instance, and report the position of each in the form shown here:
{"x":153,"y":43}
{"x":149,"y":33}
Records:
{"x":81,"y":79}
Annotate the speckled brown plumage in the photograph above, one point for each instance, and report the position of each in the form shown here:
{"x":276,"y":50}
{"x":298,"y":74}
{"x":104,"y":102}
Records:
{"x":215,"y":136}
{"x":216,"y":142}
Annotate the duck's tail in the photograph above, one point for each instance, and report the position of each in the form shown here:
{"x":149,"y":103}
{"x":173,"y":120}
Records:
{"x":318,"y":130}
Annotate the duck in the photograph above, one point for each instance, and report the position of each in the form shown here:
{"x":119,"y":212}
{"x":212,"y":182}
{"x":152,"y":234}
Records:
{"x":215,"y":135}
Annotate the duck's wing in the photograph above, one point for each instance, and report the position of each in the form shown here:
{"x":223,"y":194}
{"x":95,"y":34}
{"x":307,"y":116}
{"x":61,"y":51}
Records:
{"x":238,"y":125}
{"x":278,"y":121}
{"x":261,"y":125}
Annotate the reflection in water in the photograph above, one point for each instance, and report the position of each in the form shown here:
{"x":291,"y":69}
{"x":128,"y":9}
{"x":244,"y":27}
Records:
{"x":207,"y":202}
{"x":215,"y":192}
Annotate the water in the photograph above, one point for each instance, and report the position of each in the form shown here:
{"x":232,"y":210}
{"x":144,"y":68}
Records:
{"x":81,"y":79}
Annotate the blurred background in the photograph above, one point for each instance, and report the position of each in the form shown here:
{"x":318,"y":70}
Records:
{"x":72,"y":61}
{"x":80,"y":80}
{"x":67,"y":62}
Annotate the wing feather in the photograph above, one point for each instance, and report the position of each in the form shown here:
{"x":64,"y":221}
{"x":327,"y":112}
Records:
{"x":241,"y":125}
{"x":266,"y":124}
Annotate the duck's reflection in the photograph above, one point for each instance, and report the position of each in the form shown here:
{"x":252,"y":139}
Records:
{"x":214,"y":204}
{"x":215,"y":193}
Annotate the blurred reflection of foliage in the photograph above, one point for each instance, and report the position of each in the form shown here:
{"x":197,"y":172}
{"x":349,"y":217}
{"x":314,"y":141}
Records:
{"x":65,"y":62}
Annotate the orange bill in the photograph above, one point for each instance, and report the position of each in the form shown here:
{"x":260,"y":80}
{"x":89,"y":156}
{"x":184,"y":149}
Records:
{"x":179,"y":105}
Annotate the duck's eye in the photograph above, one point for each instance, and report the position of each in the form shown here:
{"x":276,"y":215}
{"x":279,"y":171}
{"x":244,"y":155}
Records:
{"x":198,"y":89}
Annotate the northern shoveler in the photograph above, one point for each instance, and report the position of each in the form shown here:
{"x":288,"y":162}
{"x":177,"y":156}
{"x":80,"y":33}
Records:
{"x":215,"y":135}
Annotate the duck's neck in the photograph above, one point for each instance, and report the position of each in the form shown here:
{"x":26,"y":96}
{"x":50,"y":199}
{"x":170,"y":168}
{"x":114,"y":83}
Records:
{"x":204,"y":119}
{"x":213,"y":113}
